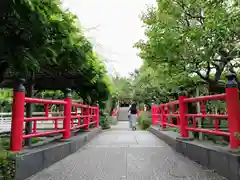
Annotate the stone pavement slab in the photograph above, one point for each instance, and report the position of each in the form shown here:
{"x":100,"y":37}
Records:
{"x":123,"y":114}
{"x":126,"y":155}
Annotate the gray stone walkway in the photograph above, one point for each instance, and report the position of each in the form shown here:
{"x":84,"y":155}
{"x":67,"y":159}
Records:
{"x":122,"y":154}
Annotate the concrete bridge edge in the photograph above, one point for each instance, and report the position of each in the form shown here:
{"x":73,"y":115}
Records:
{"x":217,"y":160}
{"x":34,"y":160}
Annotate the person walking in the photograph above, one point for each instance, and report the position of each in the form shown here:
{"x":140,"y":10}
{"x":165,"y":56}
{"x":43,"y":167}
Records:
{"x":132,"y":116}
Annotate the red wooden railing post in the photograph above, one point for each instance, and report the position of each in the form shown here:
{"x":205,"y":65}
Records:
{"x":87,"y":118}
{"x":67,"y":114}
{"x":232,"y":100}
{"x":152,"y":111}
{"x":159,"y":114}
{"x":182,"y":114}
{"x":18,"y":109}
{"x":163,"y":117}
{"x":153,"y":114}
{"x":97,"y":116}
{"x":156,"y":115}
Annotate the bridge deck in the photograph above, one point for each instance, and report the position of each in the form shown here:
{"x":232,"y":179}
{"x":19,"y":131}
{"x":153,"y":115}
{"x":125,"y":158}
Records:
{"x":121,"y":154}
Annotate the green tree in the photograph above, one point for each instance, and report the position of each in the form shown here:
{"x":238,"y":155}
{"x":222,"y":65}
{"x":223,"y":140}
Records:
{"x":195,"y":37}
{"x":123,"y":88}
{"x":39,"y":34}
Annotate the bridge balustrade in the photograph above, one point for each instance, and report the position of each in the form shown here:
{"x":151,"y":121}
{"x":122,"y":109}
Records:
{"x":176,"y":114}
{"x":88,"y":116}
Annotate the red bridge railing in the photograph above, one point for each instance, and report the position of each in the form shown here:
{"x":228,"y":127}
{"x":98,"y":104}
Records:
{"x":163,"y":114}
{"x":89,"y":115}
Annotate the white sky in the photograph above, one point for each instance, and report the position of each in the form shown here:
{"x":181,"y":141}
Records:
{"x":118,"y":28}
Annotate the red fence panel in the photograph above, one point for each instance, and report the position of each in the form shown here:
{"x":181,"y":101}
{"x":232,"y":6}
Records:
{"x":155,"y":114}
{"x":46,"y":118}
{"x":178,"y":109}
{"x":89,"y":115}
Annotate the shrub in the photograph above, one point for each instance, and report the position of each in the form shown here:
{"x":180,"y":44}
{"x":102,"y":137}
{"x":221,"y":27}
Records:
{"x":7,"y":167}
{"x":7,"y":162}
{"x":4,"y":143}
{"x":36,"y":140}
{"x":144,"y":120}
{"x":104,"y":123}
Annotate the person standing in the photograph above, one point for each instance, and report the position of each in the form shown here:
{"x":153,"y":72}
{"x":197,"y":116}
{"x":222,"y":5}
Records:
{"x":132,"y":115}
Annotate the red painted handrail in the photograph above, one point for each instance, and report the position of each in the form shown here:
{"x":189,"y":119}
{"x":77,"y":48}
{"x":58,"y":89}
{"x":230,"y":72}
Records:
{"x":89,"y":115}
{"x":161,"y":114}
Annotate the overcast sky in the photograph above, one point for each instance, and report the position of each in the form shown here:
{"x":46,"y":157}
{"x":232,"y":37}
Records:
{"x":117,"y":28}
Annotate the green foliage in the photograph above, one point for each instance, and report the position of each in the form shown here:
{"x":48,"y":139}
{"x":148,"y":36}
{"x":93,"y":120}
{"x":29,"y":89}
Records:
{"x":7,"y":163}
{"x":123,"y":88}
{"x":109,"y":105}
{"x":104,"y":121}
{"x":48,"y":94}
{"x":7,"y":168}
{"x":39,"y":34}
{"x":191,"y":44}
{"x":7,"y":158}
{"x":5,"y":100}
{"x":36,"y":140}
{"x":156,"y":85}
{"x":4,"y":144}
{"x":144,"y":120}
{"x":190,"y":38}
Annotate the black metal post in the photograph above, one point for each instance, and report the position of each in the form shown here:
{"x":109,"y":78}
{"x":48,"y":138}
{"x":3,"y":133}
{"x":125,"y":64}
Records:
{"x":28,"y":126}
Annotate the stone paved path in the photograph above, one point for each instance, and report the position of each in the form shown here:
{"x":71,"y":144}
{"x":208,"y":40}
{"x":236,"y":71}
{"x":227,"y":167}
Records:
{"x":122,"y":154}
{"x":123,"y":114}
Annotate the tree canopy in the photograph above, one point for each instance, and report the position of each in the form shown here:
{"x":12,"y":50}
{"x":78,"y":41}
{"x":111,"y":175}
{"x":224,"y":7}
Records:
{"x":122,"y":88}
{"x":187,"y":39}
{"x":37,"y":35}
{"x":189,"y":43}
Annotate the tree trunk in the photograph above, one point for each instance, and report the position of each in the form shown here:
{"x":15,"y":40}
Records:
{"x":215,"y":87}
{"x":198,"y":109}
{"x":29,"y":108}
